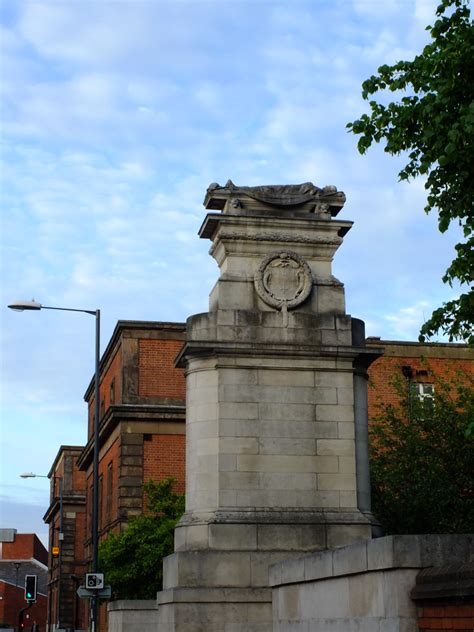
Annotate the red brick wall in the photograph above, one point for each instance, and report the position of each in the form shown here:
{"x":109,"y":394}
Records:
{"x":113,"y":373}
{"x":110,"y":456}
{"x":24,"y":547}
{"x":164,"y":455}
{"x":13,"y":601}
{"x":383,"y":371}
{"x":79,"y":551}
{"x":157,"y":375}
{"x":439,"y":618}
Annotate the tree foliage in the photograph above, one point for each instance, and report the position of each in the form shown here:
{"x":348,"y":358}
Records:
{"x":422,"y":460}
{"x":433,"y":122}
{"x":132,"y":560}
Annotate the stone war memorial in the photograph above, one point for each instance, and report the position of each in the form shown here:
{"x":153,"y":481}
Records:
{"x":271,"y":452}
{"x":277,"y":476}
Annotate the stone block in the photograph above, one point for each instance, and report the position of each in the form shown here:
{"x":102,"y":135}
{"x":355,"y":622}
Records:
{"x":233,"y":537}
{"x":238,"y":376}
{"x":334,"y":413}
{"x":225,"y":317}
{"x":275,"y":463}
{"x":351,"y":559}
{"x":291,"y":537}
{"x":347,"y":464}
{"x":202,"y":413}
{"x":326,"y":499}
{"x":287,"y":481}
{"x":285,"y":412}
{"x":345,"y":396}
{"x":343,"y":535}
{"x":239,"y":480}
{"x":227,"y":498}
{"x":326,"y":464}
{"x":323,"y":430}
{"x":206,"y":446}
{"x":318,"y":565}
{"x":227,"y":462}
{"x":335,"y":447}
{"x":238,"y":428}
{"x":260,"y":563}
{"x":294,"y":429}
{"x":286,"y":446}
{"x":293,"y":571}
{"x":335,"y":379}
{"x":396,"y":587}
{"x":288,"y":377}
{"x":342,"y":482}
{"x":238,"y":445}
{"x":346,"y":430}
{"x":241,"y":411}
{"x":348,"y":499}
{"x":334,"y":337}
{"x":208,"y":568}
{"x":325,"y":600}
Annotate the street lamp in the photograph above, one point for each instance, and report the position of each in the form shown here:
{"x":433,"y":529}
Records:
{"x":21,"y":306}
{"x":60,"y":540}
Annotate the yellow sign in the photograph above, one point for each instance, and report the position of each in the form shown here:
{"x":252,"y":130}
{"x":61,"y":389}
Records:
{"x":55,"y":551}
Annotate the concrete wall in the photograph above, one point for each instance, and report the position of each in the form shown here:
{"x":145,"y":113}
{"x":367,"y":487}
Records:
{"x":364,"y":587}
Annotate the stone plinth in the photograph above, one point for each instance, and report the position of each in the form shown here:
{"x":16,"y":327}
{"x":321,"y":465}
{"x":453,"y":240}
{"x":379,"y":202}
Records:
{"x":270,"y":426}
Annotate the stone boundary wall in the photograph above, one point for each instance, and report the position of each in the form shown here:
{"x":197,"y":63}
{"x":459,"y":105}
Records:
{"x":140,"y":615}
{"x":364,"y":587}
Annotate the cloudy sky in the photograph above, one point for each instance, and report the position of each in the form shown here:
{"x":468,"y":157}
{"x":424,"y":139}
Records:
{"x":116,"y":116}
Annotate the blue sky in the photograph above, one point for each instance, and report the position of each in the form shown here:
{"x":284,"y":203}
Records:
{"x":116,"y":116}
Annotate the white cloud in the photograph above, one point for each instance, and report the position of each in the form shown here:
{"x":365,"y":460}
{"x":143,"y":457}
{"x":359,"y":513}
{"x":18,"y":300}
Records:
{"x":118,"y":117}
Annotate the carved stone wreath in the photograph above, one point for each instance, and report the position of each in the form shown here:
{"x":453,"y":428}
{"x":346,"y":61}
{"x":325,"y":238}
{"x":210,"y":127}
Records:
{"x":283,"y":280}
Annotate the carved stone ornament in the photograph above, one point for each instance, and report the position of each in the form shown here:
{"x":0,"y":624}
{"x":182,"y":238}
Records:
{"x":283,"y":280}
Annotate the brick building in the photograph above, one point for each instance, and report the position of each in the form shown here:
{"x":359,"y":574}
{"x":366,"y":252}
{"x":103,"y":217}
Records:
{"x":142,"y":430}
{"x":419,"y":364}
{"x":22,"y":554}
{"x":66,"y":518}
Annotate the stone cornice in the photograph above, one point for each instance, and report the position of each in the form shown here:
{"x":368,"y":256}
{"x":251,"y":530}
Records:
{"x":130,"y":412}
{"x":134,"y":328}
{"x":68,"y":499}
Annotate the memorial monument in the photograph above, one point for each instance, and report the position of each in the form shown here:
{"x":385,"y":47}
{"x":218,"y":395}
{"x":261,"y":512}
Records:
{"x":276,"y":411}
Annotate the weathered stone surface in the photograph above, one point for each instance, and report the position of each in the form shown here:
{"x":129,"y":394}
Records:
{"x":270,"y":409}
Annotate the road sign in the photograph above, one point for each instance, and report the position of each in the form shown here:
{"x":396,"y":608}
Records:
{"x":103,"y":593}
{"x":94,"y":581}
{"x":55,"y":551}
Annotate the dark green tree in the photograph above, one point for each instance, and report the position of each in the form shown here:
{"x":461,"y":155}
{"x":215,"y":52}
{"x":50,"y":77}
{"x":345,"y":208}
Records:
{"x":422,"y":460}
{"x":432,"y":121}
{"x":132,"y":560}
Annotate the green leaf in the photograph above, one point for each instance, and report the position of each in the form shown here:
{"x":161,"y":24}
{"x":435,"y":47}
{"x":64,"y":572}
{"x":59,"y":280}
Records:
{"x":433,"y":123}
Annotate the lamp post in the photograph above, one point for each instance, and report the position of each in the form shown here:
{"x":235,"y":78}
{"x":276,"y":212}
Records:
{"x":21,"y":306}
{"x":60,"y":541}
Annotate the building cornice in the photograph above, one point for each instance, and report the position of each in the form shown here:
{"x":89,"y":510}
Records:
{"x":130,"y":412}
{"x":447,"y":350}
{"x":133,"y":328}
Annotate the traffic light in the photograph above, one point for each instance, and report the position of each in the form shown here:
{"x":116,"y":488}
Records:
{"x":31,"y":584}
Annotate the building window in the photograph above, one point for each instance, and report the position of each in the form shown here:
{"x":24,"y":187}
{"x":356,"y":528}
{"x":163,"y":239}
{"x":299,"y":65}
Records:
{"x":112,"y":392}
{"x":423,"y":391}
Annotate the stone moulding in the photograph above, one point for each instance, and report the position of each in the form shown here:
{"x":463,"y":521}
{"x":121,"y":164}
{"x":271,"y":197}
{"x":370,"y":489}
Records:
{"x":283,"y":280}
{"x":298,"y":239}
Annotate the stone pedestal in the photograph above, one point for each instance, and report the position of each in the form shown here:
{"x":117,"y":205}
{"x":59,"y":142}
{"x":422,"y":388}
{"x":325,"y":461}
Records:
{"x":270,"y":427}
